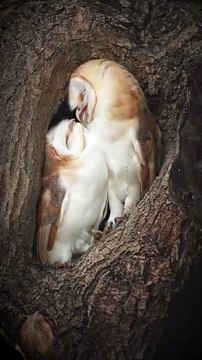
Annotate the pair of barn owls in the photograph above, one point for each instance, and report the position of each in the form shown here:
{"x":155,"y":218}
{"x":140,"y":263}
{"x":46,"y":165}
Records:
{"x":110,"y":155}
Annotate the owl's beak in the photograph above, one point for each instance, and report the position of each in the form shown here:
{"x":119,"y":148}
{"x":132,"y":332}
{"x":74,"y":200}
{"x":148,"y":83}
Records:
{"x":82,"y":114}
{"x":71,"y":124}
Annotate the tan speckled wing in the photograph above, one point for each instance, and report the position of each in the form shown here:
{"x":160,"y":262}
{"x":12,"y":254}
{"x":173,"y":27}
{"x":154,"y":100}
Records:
{"x":49,"y":206}
{"x":150,"y":151}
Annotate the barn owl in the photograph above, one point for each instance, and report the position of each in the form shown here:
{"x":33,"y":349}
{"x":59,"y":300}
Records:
{"x":73,"y":195}
{"x":111,"y":104}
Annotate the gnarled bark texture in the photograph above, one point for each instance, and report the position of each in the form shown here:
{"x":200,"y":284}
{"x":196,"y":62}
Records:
{"x":112,"y":302}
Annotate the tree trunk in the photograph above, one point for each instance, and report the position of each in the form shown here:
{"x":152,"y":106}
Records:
{"x":111,"y":303}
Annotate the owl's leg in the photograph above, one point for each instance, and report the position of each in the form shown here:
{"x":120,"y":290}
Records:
{"x":116,"y":209}
{"x":60,"y":254}
{"x":132,"y":198}
{"x":83,"y":244}
{"x":128,"y":205}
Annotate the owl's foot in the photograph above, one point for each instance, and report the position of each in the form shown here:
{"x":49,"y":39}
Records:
{"x":59,"y":265}
{"x":118,"y":220}
{"x":97,"y":234}
{"x":110,"y":224}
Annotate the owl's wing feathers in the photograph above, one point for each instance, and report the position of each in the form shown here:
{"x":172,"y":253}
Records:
{"x":50,"y":216}
{"x":148,"y":147}
{"x":51,"y":206}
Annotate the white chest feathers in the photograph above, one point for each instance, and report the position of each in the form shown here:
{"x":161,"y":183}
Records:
{"x":124,"y":164}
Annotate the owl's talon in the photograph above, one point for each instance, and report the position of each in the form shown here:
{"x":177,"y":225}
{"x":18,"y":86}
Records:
{"x":97,"y":234}
{"x":58,"y":265}
{"x":111,"y":225}
{"x":118,"y":220}
{"x":107,"y":230}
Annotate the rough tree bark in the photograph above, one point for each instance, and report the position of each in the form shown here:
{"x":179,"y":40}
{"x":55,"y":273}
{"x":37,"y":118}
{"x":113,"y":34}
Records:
{"x":111,"y":303}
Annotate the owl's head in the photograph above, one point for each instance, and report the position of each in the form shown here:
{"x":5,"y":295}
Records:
{"x":102,"y":88}
{"x":67,"y":137}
